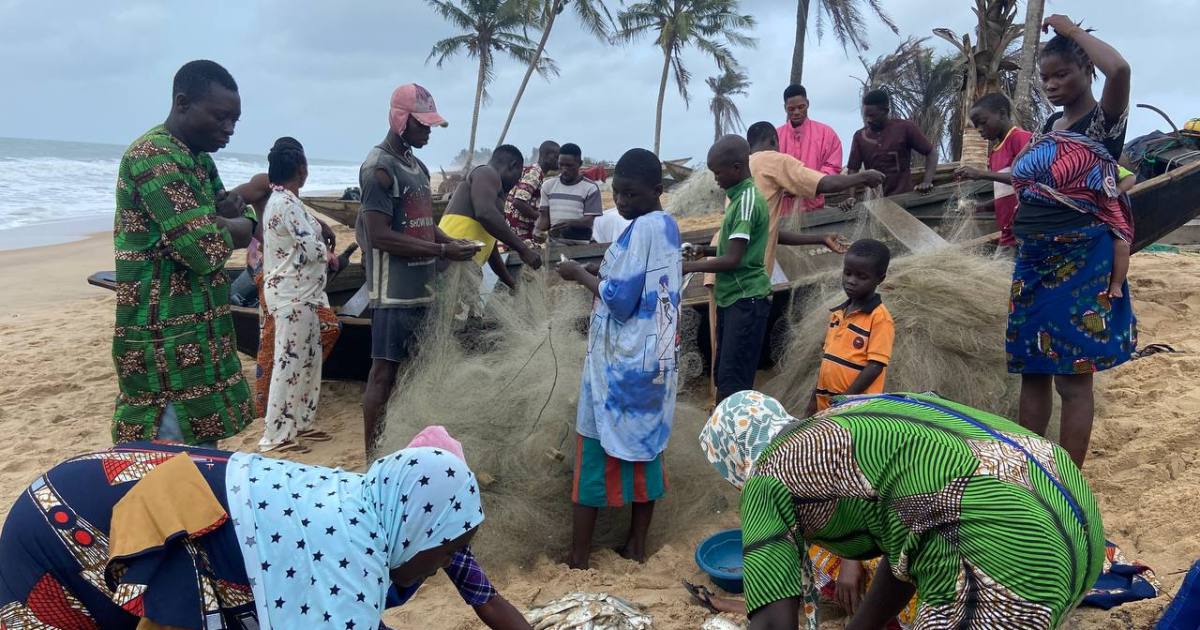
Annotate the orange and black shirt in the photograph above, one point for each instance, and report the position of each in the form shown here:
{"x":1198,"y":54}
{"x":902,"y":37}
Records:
{"x":853,"y":339}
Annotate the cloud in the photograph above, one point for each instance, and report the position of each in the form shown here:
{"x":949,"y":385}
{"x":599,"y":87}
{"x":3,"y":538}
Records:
{"x":323,"y":72}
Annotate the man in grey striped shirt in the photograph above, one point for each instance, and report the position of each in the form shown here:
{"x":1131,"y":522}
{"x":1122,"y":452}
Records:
{"x":570,"y":202}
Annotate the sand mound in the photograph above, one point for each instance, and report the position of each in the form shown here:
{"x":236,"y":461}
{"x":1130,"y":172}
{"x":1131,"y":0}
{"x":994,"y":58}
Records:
{"x":510,"y":396}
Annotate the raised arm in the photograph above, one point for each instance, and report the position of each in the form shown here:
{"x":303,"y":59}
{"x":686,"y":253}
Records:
{"x":1114,"y":100}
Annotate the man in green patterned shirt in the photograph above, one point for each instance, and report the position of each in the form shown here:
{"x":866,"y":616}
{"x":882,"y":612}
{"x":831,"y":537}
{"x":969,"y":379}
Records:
{"x":175,"y":227}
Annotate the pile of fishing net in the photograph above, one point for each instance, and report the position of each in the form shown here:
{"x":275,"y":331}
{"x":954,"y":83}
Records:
{"x":950,"y":307}
{"x":507,"y":386}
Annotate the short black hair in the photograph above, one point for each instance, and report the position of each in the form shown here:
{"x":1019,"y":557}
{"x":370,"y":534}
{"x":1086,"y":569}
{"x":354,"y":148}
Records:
{"x":507,"y":152}
{"x":1069,"y":50}
{"x":874,"y":251}
{"x":641,"y":165}
{"x":994,"y":102}
{"x":195,"y":78}
{"x":794,"y":89}
{"x":548,"y":144}
{"x":571,"y":148}
{"x":878,"y":98}
{"x":284,"y":160}
{"x":761,"y":132}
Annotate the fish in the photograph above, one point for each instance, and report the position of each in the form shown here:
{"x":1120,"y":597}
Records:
{"x":720,"y":622}
{"x":589,"y":611}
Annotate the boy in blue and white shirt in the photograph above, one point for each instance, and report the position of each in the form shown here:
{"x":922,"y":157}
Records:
{"x":630,"y":374}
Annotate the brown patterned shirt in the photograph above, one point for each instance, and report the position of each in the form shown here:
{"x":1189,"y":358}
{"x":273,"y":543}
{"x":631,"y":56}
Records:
{"x":174,"y":339}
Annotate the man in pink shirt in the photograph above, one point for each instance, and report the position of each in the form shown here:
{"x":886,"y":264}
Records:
{"x":816,"y":144}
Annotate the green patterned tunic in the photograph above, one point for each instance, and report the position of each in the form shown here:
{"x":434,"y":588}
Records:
{"x":994,"y":525}
{"x":174,"y":339}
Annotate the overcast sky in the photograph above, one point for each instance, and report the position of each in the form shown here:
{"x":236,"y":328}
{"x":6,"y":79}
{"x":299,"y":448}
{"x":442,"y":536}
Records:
{"x":323,"y":71}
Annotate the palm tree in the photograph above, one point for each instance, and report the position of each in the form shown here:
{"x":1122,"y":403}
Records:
{"x":708,"y":25}
{"x":596,"y":20}
{"x":1025,"y":74}
{"x":984,"y":61}
{"x":924,"y":86}
{"x":726,"y":117}
{"x":846,"y":20}
{"x":491,"y":27}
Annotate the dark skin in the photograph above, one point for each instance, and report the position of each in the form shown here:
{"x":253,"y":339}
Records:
{"x":860,"y":278}
{"x":883,"y":601}
{"x":797,"y":110}
{"x":548,"y":161}
{"x":383,"y":372}
{"x":488,"y":188}
{"x":1069,"y":85}
{"x":256,"y":192}
{"x":497,"y":613}
{"x":568,"y":166}
{"x":993,"y":126}
{"x":875,"y":119}
{"x":205,"y":125}
{"x":729,"y":161}
{"x":634,"y":198}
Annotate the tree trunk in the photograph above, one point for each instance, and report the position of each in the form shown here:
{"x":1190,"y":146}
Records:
{"x":716,"y":127}
{"x":974,"y":147}
{"x":1025,"y":74}
{"x":798,"y":50}
{"x":537,"y":57}
{"x":475,"y":115}
{"x":662,"y":93}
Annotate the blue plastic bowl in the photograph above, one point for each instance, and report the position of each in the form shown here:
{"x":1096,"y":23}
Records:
{"x":720,"y":556}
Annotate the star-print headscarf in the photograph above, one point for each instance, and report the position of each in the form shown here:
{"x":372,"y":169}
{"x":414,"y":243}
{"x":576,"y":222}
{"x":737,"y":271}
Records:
{"x":319,"y":543}
{"x":739,"y":431}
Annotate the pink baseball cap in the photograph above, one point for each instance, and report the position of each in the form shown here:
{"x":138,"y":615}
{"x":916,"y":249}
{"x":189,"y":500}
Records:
{"x":412,"y":99}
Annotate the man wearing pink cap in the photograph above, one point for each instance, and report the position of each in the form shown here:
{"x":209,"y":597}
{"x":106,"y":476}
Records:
{"x":401,"y":243}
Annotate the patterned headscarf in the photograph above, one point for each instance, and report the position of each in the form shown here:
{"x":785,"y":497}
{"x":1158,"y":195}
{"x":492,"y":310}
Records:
{"x":739,"y":431}
{"x":319,"y":543}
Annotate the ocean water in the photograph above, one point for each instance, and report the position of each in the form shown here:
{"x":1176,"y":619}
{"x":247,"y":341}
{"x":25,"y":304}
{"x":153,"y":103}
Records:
{"x":45,"y":181}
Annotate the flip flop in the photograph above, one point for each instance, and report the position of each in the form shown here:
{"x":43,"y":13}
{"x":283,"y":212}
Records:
{"x":285,"y":447}
{"x":702,"y":595}
{"x":313,"y":435}
{"x":1153,"y":348}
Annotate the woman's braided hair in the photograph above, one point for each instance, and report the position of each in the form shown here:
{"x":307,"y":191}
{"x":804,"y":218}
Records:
{"x":1070,"y":50}
{"x":284,"y":160}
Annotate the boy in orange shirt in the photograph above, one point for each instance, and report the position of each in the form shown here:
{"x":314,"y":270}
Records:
{"x":858,"y":344}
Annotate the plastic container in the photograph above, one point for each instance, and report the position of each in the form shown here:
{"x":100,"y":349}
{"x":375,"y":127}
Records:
{"x":720,"y":556}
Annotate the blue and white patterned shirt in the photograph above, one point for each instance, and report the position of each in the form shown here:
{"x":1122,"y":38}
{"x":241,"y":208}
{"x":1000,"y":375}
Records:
{"x":630,"y":376}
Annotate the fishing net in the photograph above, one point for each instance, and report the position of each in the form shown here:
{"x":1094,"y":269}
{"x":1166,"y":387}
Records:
{"x":506,"y":386}
{"x":950,"y":309}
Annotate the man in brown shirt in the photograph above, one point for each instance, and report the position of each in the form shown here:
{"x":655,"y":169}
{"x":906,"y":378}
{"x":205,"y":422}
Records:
{"x":886,"y":144}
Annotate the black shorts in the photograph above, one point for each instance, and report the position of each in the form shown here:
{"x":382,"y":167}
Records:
{"x":741,"y":328}
{"x":394,"y":332}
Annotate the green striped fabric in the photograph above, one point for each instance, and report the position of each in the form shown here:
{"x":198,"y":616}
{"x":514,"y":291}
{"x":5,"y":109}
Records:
{"x":174,"y":340}
{"x":993,"y":524}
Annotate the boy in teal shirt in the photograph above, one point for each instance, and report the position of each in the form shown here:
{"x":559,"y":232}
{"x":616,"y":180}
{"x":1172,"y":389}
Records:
{"x":743,"y":288}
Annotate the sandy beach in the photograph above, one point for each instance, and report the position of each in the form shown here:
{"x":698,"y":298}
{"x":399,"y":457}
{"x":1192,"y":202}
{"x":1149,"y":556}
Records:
{"x":57,"y":390}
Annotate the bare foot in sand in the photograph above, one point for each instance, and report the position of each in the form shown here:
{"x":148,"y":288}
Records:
{"x":573,"y":563}
{"x":630,"y":552}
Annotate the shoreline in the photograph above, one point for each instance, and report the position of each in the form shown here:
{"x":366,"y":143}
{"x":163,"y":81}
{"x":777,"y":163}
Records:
{"x":51,"y":233}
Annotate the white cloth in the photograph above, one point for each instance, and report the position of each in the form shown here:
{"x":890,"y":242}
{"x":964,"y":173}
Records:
{"x":295,"y":375}
{"x":609,"y":226}
{"x":294,"y":254}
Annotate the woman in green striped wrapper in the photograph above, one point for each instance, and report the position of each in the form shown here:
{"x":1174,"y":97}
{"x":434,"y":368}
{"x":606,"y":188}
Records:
{"x":990,"y":525}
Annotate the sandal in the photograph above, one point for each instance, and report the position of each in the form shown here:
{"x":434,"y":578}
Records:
{"x":313,"y":435}
{"x":285,"y":447}
{"x":1153,"y":348}
{"x":702,"y":595}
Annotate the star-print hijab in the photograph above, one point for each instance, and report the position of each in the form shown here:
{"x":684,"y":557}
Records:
{"x":319,"y":543}
{"x":739,"y":431}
